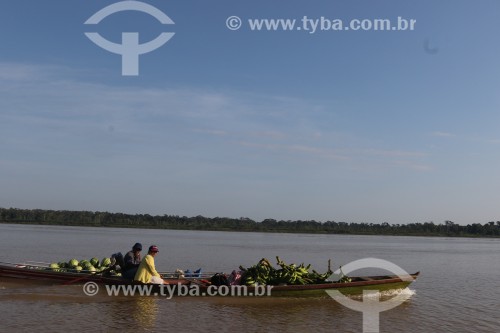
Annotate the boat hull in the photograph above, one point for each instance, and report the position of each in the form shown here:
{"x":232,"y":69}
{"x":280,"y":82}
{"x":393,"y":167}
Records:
{"x":356,"y":286}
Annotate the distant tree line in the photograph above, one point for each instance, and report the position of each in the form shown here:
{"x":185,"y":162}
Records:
{"x":105,"y":219}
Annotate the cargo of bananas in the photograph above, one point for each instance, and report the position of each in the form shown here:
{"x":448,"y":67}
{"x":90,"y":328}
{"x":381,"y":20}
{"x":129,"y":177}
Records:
{"x":265,"y":274}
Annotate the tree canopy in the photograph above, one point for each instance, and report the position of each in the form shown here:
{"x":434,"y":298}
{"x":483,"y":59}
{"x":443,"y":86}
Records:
{"x":120,"y":220}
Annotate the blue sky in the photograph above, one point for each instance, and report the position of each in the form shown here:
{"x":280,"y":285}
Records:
{"x":357,"y":126}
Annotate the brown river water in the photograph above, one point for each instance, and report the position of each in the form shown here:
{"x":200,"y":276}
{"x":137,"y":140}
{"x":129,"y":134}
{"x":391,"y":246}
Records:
{"x":458,"y":290}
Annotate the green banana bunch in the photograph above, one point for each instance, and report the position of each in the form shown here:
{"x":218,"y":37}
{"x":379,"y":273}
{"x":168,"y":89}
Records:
{"x":258,"y":274}
{"x":265,"y":274}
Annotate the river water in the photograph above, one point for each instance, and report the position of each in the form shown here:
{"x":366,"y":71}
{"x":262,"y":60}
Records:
{"x":457,"y":290}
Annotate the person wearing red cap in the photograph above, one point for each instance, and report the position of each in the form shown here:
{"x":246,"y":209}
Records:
{"x":146,"y":273}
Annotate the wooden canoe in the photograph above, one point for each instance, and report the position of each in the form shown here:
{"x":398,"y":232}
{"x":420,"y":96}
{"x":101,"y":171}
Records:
{"x":356,"y":286}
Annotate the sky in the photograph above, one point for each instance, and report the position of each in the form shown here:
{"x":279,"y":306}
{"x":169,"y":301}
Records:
{"x":355,"y":126}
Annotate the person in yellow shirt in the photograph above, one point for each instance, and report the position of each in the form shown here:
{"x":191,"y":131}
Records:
{"x":146,"y":273}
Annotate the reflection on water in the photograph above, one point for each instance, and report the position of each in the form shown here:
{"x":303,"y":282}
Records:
{"x":145,"y":311}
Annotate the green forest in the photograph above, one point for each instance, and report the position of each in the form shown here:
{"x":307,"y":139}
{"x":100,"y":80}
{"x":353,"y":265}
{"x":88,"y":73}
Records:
{"x":120,"y":220}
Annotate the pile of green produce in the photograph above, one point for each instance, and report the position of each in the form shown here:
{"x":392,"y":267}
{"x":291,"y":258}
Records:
{"x":91,"y":266}
{"x":265,"y":274}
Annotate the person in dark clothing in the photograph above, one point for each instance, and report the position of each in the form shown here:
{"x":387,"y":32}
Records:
{"x":132,"y":261}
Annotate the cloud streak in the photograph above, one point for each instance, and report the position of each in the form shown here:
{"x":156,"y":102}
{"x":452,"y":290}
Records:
{"x":442,"y":134}
{"x":95,"y":142}
{"x":80,"y":113}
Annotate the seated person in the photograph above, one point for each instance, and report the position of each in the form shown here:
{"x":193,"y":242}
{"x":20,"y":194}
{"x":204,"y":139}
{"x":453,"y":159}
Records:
{"x":147,"y":272}
{"x":132,"y":260}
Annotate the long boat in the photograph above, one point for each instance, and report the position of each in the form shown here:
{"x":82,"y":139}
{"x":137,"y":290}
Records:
{"x":23,"y":272}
